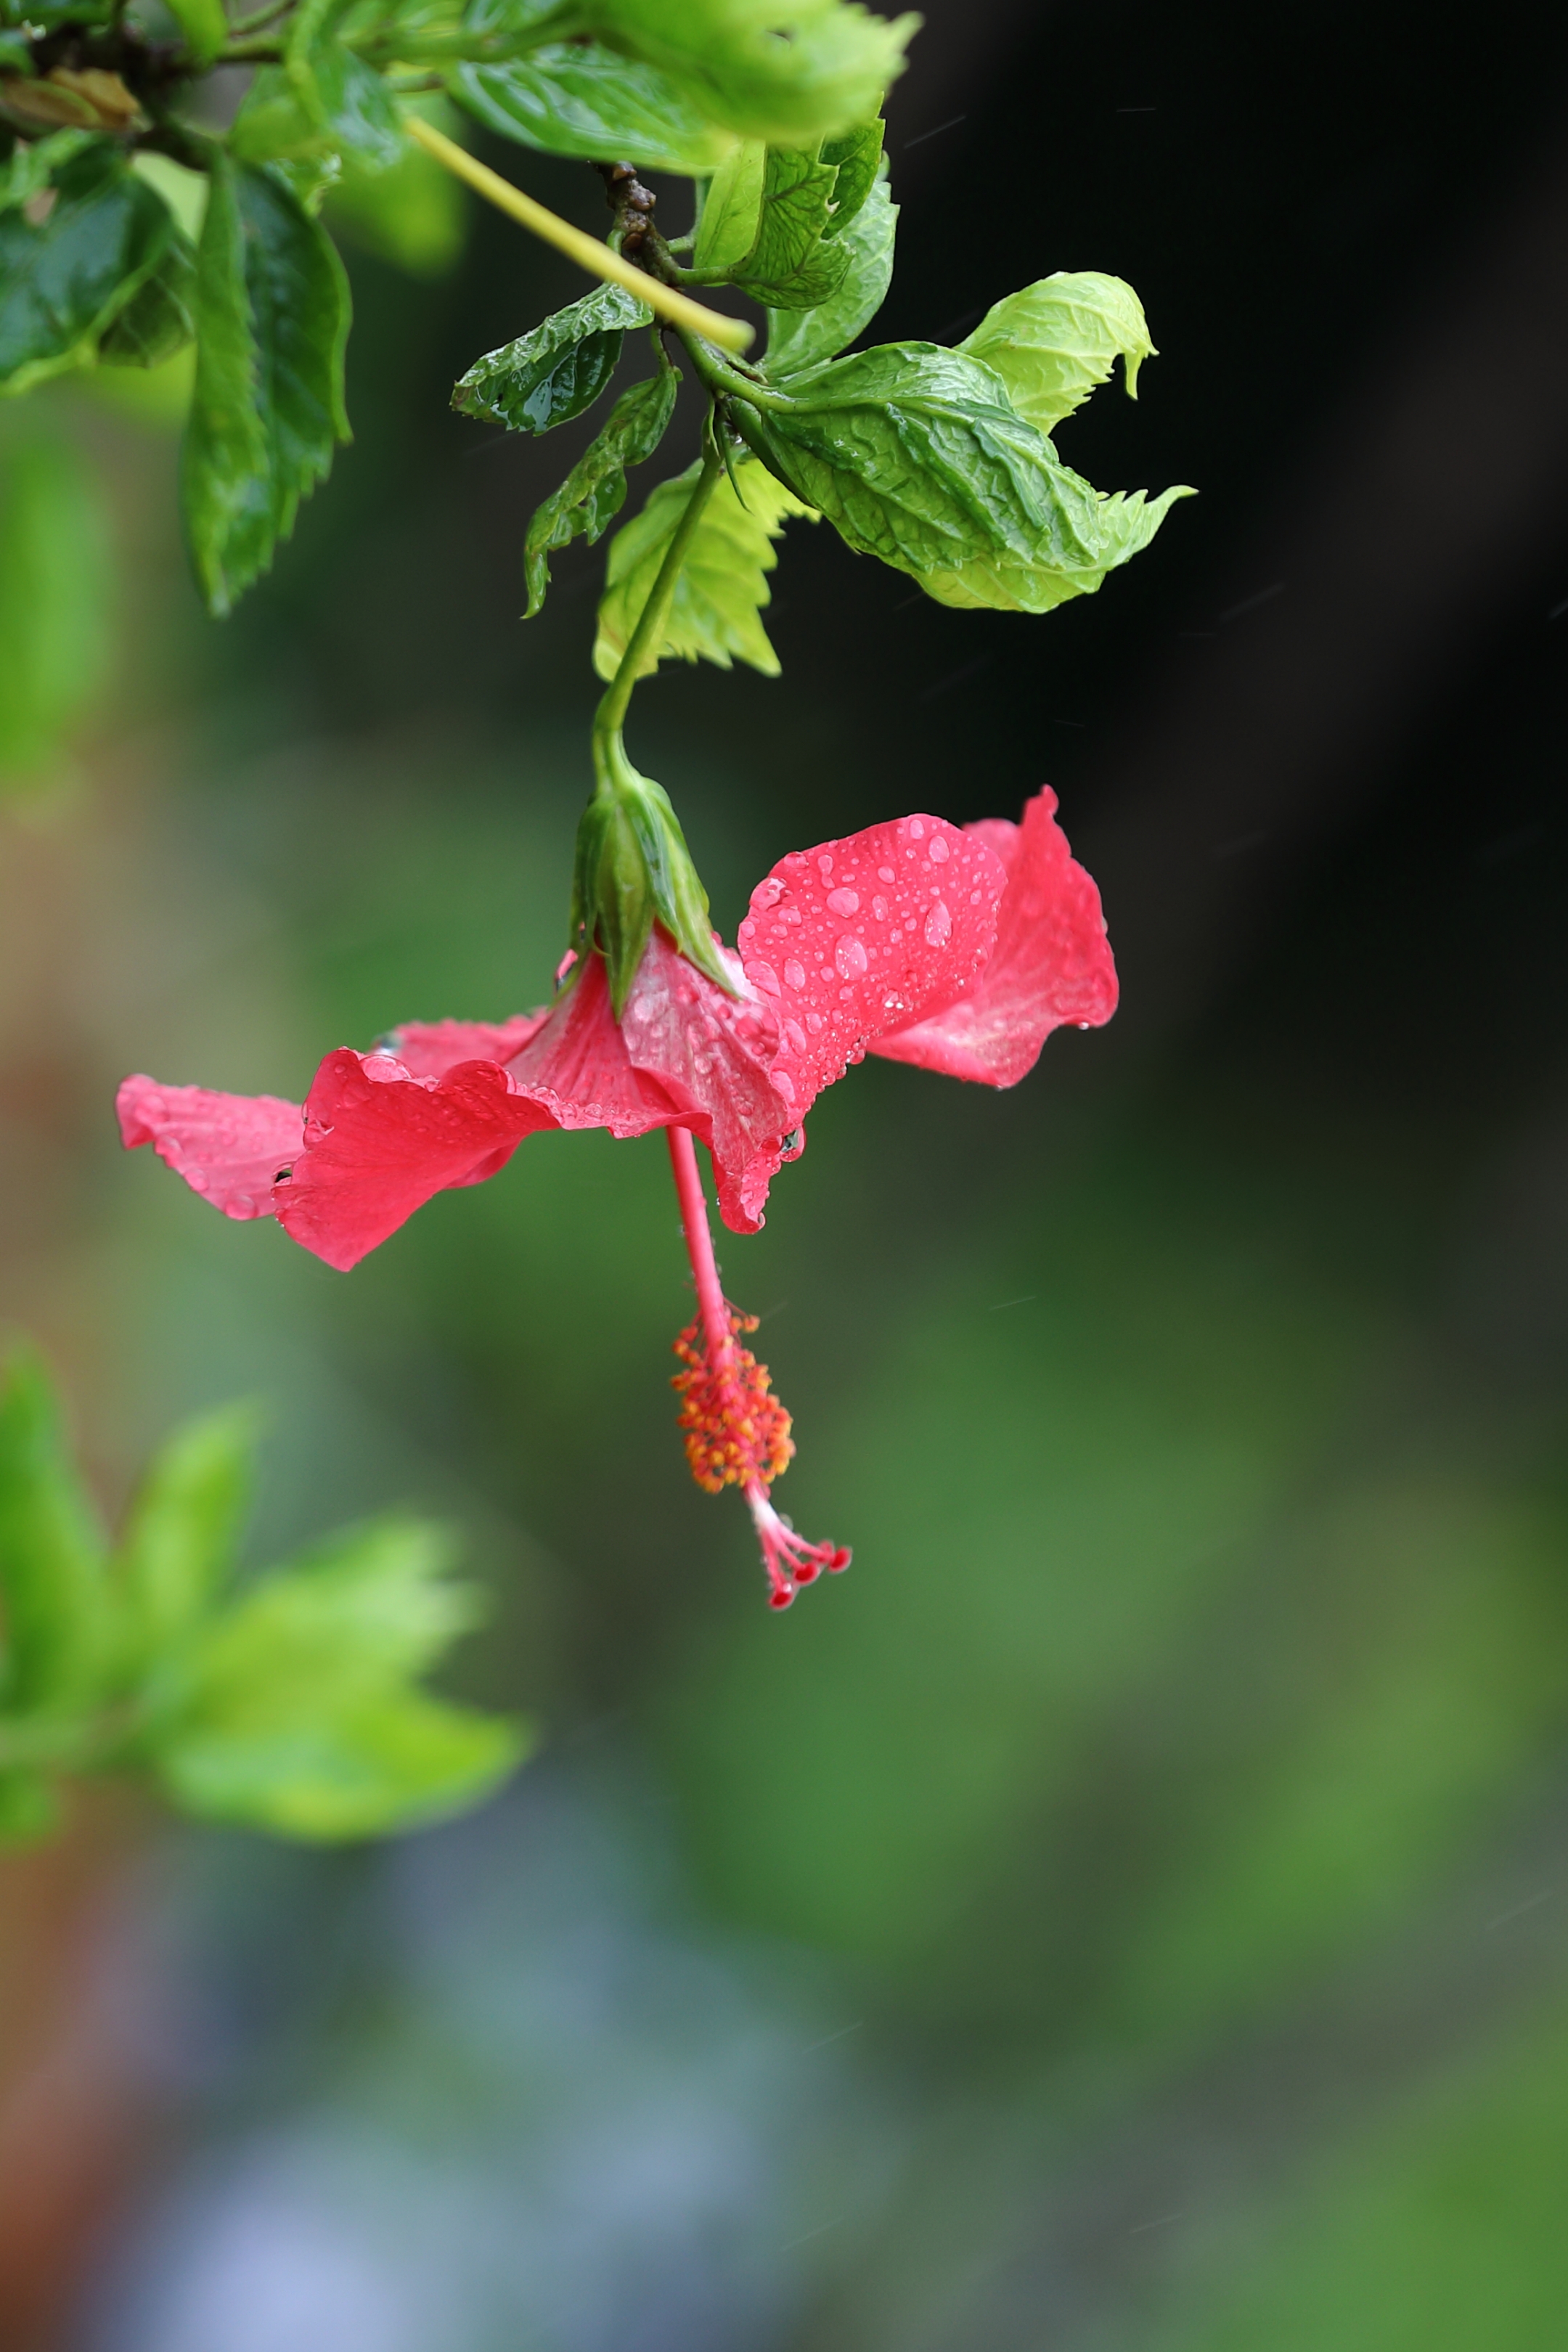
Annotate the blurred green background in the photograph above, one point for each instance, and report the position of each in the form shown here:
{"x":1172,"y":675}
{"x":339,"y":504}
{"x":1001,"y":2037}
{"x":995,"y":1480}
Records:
{"x":1127,"y":1914}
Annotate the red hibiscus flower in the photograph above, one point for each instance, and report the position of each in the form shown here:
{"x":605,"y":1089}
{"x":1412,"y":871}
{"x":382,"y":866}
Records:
{"x":957,"y":951}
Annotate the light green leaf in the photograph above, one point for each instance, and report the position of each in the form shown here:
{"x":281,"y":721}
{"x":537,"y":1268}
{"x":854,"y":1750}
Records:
{"x":556,"y":370}
{"x":1056,"y":341}
{"x":732,"y":211}
{"x":855,"y":156}
{"x":793,"y":266}
{"x":54,"y":1599}
{"x":723,"y":587}
{"x":273,"y":313}
{"x":203,"y":25}
{"x":798,"y":340}
{"x":62,"y":281}
{"x":160,"y":318}
{"x":385,"y":1764}
{"x":29,"y":1810}
{"x":582,"y":99}
{"x":340,"y":90}
{"x":57,"y":588}
{"x":914,"y":454}
{"x":790,"y":72}
{"x":594,"y":490}
{"x":273,"y":124}
{"x":179,"y":1543}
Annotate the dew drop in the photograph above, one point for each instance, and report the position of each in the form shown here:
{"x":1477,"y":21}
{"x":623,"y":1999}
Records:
{"x":939,"y":926}
{"x":917,"y":829}
{"x":814,"y":1022}
{"x":879,"y":909}
{"x":784,"y":1084}
{"x":851,"y":956}
{"x":884,"y":873}
{"x":795,"y":974}
{"x":796,"y":1035}
{"x":764,"y":977}
{"x":843,"y":902}
{"x":974,"y":898}
{"x":825,"y":868}
{"x":938,"y":852}
{"x":767,"y":894}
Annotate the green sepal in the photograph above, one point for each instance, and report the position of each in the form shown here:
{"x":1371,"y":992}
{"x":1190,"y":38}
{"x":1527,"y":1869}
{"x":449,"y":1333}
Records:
{"x":596,"y":489}
{"x":556,"y":370}
{"x":633,"y":867}
{"x":55,"y":1602}
{"x":798,"y":340}
{"x":722,"y":588}
{"x":1053,"y":343}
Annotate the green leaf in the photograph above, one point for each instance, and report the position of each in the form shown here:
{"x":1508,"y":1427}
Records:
{"x":1056,"y":341}
{"x":584,"y":101}
{"x":789,"y":71}
{"x":594,"y":490}
{"x":57,"y":587}
{"x":55,"y":1598}
{"x":273,"y":123}
{"x":556,"y":370}
{"x":340,"y":90}
{"x":413,"y":214}
{"x":178,"y":1546}
{"x":914,"y":454}
{"x":203,"y":25}
{"x":732,"y":211}
{"x":160,"y":318}
{"x":857,"y":157}
{"x":798,"y":340}
{"x":724,"y":586}
{"x":62,"y":281}
{"x":273,"y":318}
{"x":793,"y":266}
{"x":29,"y":168}
{"x":295,"y":1712}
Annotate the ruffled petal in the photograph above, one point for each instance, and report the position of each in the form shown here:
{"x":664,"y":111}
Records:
{"x":379,"y":1143}
{"x":578,"y":1064}
{"x":228,"y":1148}
{"x":852,"y":937}
{"x":1051,"y":963}
{"x":428,"y":1049}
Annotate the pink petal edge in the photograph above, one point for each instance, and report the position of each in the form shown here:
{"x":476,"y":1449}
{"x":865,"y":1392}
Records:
{"x":228,"y":1148}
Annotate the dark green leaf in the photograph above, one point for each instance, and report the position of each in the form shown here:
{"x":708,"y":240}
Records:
{"x":160,"y":318}
{"x":53,"y":1592}
{"x":1054,"y":343}
{"x":203,"y":25}
{"x":558,"y":369}
{"x":273,"y":315}
{"x":31,"y":165}
{"x":857,"y":157}
{"x":790,"y":72}
{"x":48,"y":14}
{"x":798,"y":340}
{"x":340,"y":90}
{"x":179,"y":1544}
{"x":57,"y":586}
{"x":582,"y":100}
{"x":62,"y":281}
{"x":731,"y":210}
{"x":793,"y":266}
{"x":723,"y":587}
{"x":594,"y":490}
{"x":914,"y":454}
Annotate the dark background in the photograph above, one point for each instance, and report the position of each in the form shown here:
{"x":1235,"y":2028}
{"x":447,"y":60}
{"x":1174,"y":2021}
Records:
{"x":1128,"y":1912}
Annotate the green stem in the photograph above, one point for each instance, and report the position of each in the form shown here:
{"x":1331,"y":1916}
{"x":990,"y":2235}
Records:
{"x":240,"y":26}
{"x":721,"y":377}
{"x":610,"y":716}
{"x":258,"y":52}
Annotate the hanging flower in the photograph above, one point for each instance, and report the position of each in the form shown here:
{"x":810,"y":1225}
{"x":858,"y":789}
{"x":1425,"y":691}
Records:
{"x":958,"y":950}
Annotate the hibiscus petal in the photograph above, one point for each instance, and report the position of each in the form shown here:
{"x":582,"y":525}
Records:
{"x":379,"y":1143}
{"x":849,"y":938}
{"x":228,"y":1148}
{"x":1051,"y":963}
{"x":577,"y":1062}
{"x":428,"y":1049}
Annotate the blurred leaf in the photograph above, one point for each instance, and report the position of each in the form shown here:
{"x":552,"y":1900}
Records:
{"x":58,"y":1608}
{"x":183,"y":191}
{"x":273,"y":123}
{"x":29,"y":1810}
{"x":203,"y":25}
{"x":722,"y":587}
{"x":160,"y":319}
{"x":914,"y":454}
{"x":793,"y":266}
{"x":57,"y":588}
{"x":596,"y":489}
{"x":61,"y":281}
{"x":179,"y":1543}
{"x":413,"y":215}
{"x":340,"y":90}
{"x":731,"y":210}
{"x":789,"y":71}
{"x":582,"y":100}
{"x":273,"y":313}
{"x":798,"y":340}
{"x":1054,"y":343}
{"x":29,"y":168}
{"x":557,"y":370}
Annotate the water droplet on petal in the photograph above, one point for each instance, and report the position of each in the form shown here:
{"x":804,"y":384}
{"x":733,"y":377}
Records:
{"x":795,"y":974}
{"x":851,"y":956}
{"x":825,"y":867}
{"x":939,"y":926}
{"x":937,"y":853}
{"x":814,"y":1022}
{"x":843,"y":902}
{"x":879,"y":909}
{"x":884,"y":873}
{"x":767,"y":894}
{"x":917,"y":829}
{"x":764,"y":977}
{"x":796,"y":1035}
{"x":784,"y":1084}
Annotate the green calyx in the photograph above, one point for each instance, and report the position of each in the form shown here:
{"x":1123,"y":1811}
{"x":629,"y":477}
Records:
{"x":633,"y":869}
